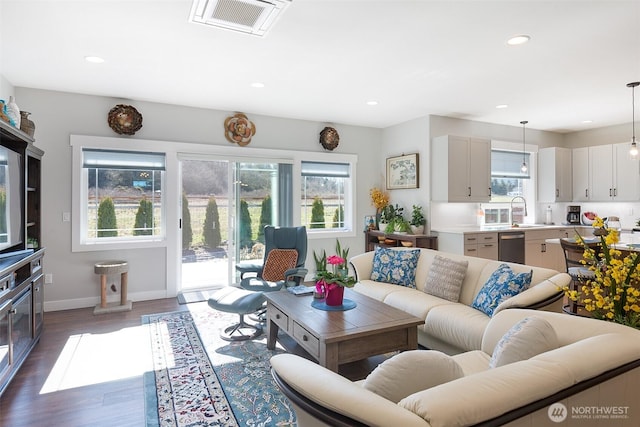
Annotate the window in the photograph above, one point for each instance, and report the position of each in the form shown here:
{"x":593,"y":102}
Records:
{"x":325,"y":197}
{"x":508,"y":181}
{"x":122,"y":196}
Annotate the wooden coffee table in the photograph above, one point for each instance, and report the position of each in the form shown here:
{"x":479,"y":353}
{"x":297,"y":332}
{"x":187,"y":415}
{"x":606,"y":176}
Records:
{"x":337,"y":337}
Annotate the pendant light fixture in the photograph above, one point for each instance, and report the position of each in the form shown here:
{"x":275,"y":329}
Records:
{"x":633,"y":152}
{"x":523,"y":168}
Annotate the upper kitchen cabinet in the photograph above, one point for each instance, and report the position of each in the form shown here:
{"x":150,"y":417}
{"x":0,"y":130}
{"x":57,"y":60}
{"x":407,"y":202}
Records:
{"x":580,"y":174}
{"x":460,"y":169}
{"x":554,"y":175}
{"x":605,"y":173}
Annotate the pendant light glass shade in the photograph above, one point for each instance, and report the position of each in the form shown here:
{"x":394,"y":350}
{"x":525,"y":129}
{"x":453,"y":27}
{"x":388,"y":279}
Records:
{"x":633,"y":151}
{"x":524,"y":167}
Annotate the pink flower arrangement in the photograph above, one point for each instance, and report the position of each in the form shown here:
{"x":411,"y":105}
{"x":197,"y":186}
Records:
{"x":328,"y":280}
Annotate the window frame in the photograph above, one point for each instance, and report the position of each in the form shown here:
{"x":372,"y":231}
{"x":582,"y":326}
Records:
{"x":349,"y":228}
{"x":80,"y":240}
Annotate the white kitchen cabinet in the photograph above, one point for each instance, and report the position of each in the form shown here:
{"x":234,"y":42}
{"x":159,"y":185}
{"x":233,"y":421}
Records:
{"x":539,"y":253}
{"x":554,"y":175}
{"x":460,"y":169}
{"x":610,"y":174}
{"x":580,"y":174}
{"x":481,"y":245}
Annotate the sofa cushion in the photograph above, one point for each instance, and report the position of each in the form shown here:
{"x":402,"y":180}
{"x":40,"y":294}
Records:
{"x":501,"y":285}
{"x":445,"y":278}
{"x":527,"y":338}
{"x":395,"y":266}
{"x":411,"y":371}
{"x":458,"y":326}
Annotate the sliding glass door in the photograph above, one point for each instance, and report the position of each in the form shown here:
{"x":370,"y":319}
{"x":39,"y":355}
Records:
{"x":225,"y":205}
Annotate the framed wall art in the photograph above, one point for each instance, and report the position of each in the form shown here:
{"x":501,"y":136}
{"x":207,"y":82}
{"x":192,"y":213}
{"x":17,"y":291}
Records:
{"x":402,"y":172}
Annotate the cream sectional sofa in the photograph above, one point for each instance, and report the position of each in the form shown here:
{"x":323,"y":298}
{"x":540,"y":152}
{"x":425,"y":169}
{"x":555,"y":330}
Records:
{"x":455,"y":327}
{"x":591,"y":377}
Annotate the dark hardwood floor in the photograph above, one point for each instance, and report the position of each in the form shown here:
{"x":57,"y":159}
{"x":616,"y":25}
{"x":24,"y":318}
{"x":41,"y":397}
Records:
{"x":117,"y":403}
{"x":99,"y":384}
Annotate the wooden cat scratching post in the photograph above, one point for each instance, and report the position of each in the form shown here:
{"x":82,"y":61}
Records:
{"x":105,"y":268}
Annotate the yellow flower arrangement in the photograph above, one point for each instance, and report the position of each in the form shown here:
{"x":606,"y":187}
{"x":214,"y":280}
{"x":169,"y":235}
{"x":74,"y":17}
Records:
{"x":614,"y":293}
{"x":379,"y":198}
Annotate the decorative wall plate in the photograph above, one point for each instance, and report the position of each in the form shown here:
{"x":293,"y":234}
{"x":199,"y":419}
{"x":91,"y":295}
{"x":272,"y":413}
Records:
{"x":329,"y":138}
{"x":238,"y":129}
{"x":124,"y":119}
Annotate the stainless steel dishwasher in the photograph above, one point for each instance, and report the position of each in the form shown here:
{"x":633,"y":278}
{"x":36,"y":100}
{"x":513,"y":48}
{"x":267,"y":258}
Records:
{"x":511,"y":247}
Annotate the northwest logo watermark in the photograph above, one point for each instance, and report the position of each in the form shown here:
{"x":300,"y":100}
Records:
{"x":558,"y":412}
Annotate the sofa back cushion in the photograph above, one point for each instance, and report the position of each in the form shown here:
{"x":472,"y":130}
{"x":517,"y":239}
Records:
{"x":527,"y":338}
{"x":501,"y":285}
{"x":445,"y":278}
{"x":395,"y":266}
{"x":411,"y":371}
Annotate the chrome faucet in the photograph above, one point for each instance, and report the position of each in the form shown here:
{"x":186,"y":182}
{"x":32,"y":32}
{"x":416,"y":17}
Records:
{"x":511,"y":207}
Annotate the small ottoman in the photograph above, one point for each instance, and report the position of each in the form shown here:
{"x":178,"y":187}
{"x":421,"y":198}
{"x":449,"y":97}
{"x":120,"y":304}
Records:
{"x":241,"y":302}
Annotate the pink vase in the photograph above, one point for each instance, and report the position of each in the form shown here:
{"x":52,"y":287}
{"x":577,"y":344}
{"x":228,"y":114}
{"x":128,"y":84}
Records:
{"x":334,"y":296}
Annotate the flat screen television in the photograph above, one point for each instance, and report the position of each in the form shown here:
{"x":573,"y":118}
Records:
{"x":11,"y":200}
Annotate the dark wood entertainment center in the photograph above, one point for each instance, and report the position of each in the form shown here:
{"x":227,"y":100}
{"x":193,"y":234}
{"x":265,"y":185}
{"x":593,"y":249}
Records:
{"x":21,"y":268}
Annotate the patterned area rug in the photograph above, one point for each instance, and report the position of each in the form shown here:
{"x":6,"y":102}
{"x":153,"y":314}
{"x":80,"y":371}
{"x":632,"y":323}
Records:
{"x":201,"y":380}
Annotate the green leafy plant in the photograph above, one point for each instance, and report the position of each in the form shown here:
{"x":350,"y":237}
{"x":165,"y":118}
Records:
{"x":342,"y":253}
{"x":417,"y":217}
{"x":401,"y":225}
{"x":321,"y":261}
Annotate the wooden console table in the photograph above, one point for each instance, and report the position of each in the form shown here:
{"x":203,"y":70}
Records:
{"x":372,"y":239}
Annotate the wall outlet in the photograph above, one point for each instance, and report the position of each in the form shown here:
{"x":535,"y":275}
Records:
{"x":48,"y":279}
{"x":66,"y":216}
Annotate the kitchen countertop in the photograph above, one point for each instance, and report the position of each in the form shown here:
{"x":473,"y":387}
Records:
{"x":464,"y":229}
{"x":628,"y":241}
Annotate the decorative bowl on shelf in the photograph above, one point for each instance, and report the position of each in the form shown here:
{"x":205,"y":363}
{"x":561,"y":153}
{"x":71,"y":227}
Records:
{"x":406,"y":244}
{"x":389,"y":241}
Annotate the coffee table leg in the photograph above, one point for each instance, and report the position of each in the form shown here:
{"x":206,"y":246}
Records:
{"x":329,"y":356}
{"x":272,"y":334}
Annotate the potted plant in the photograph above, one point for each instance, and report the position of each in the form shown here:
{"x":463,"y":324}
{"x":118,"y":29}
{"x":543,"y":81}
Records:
{"x":401,"y":226}
{"x":387,"y":215}
{"x":417,"y":220}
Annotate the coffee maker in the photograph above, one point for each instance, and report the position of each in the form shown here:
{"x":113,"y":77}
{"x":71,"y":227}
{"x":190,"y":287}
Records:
{"x":573,"y":214}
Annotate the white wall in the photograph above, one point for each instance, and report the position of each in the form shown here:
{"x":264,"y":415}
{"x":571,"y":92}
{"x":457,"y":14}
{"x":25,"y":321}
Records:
{"x":408,"y":138}
{"x":57,"y":115}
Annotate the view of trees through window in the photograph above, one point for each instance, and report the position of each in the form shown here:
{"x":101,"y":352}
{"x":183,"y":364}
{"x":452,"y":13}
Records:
{"x":205,"y":191}
{"x":124,"y":203}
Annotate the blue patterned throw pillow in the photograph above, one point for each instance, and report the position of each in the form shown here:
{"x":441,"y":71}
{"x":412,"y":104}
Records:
{"x":395,"y":266}
{"x":502,"y":284}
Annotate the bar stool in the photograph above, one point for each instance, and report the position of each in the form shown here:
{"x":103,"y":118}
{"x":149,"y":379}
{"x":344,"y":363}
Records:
{"x":105,"y":268}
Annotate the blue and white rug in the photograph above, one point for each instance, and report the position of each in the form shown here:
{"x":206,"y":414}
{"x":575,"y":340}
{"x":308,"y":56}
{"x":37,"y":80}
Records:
{"x":201,"y":380}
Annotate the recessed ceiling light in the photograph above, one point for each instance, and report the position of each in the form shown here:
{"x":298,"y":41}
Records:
{"x":372,"y":102}
{"x":519,"y":39}
{"x":587,"y":121}
{"x":94,"y":59}
{"x":257,"y":85}
{"x":502,"y":106}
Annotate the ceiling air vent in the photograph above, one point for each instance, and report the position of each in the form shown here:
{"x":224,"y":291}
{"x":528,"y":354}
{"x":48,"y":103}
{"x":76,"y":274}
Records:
{"x":247,"y":16}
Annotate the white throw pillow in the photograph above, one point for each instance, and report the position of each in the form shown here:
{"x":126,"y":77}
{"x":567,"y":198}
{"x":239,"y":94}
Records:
{"x":445,"y":277}
{"x":525,"y":339}
{"x":412,"y":371}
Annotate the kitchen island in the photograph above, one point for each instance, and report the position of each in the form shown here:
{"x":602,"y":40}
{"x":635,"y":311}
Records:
{"x":484,"y":242}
